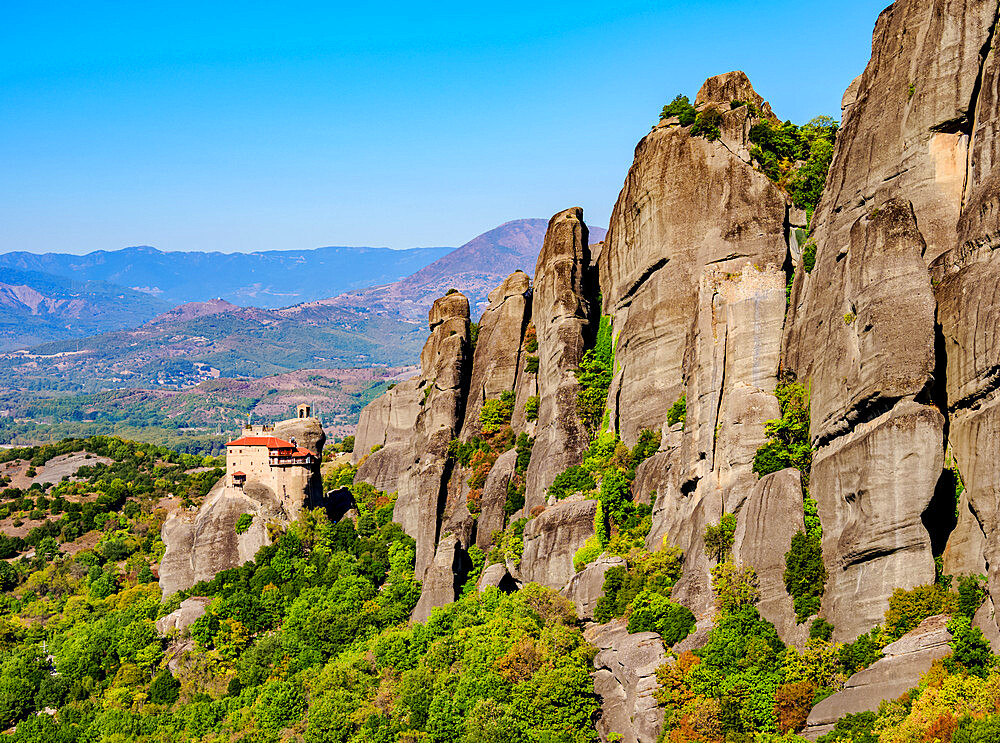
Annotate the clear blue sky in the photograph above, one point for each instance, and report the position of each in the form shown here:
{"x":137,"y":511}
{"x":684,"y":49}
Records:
{"x":254,"y":126}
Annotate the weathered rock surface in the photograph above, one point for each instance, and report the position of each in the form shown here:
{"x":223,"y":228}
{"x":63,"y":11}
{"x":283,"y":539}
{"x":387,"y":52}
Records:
{"x":552,"y":538}
{"x":766,"y":524}
{"x":388,"y":419}
{"x":190,"y":611}
{"x":871,"y":488}
{"x":687,"y":204}
{"x":905,"y":661}
{"x":494,"y":500}
{"x":442,"y":579}
{"x":586,"y":587}
{"x":200,"y":545}
{"x":496,"y":576}
{"x":625,"y":680}
{"x":563,"y":318}
{"x":422,"y":486}
{"x":497,"y":357}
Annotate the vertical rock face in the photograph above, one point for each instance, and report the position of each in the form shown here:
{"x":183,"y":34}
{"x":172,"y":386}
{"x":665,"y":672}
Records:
{"x":862,"y":326}
{"x":497,"y":357}
{"x":687,"y":204}
{"x":968,"y":312}
{"x":625,"y":680}
{"x":770,"y":517}
{"x":562,"y":317}
{"x":552,"y":538}
{"x":491,"y":507}
{"x":388,"y":419}
{"x":423,"y":482}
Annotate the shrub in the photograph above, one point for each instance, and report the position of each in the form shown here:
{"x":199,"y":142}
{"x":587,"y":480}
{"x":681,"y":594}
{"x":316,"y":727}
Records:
{"x":809,"y":256}
{"x":595,"y":373}
{"x":646,"y":446}
{"x":243,"y":522}
{"x":165,"y":689}
{"x":708,"y":124}
{"x":678,"y":411}
{"x":856,"y":728}
{"x":719,"y":537}
{"x":792,"y":702}
{"x":734,"y":587}
{"x":907,"y":609}
{"x":805,"y":576}
{"x":820,"y":630}
{"x":531,"y":365}
{"x":970,"y":650}
{"x":681,"y":108}
{"x":571,"y":480}
{"x":531,"y":408}
{"x":654,"y":612}
{"x":589,"y":552}
{"x":971,"y":594}
{"x":496,"y":413}
{"x":789,"y":435}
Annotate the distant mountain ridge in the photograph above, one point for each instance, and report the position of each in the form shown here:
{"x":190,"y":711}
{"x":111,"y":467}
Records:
{"x":214,"y":337}
{"x":474,"y":269}
{"x":269,"y":279}
{"x":37,"y":307}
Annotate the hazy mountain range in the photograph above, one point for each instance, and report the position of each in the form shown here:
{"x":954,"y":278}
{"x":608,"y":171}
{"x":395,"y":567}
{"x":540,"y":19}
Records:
{"x":212,"y":337}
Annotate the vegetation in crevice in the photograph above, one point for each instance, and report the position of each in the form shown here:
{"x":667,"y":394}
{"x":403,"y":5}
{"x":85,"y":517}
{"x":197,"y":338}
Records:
{"x":796,"y":158}
{"x":594,"y":375}
{"x":677,"y":413}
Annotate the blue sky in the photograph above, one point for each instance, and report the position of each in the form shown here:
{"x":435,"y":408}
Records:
{"x":254,"y":126}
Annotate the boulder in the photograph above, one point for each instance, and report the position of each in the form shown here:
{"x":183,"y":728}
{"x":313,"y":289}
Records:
{"x":904,"y":662}
{"x":190,"y":611}
{"x":562,"y":315}
{"x":552,"y":538}
{"x":586,"y":587}
{"x":306,"y":432}
{"x":625,"y":681}
{"x":496,"y":576}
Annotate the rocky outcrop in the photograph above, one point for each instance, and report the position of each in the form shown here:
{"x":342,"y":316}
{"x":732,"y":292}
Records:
{"x":586,"y":587}
{"x":863,"y":325}
{"x":388,"y":419}
{"x":443,"y":578}
{"x":422,"y":485}
{"x":705,"y":467}
{"x":201,"y":544}
{"x":687,"y":205}
{"x":497,"y":357}
{"x":552,"y":538}
{"x":564,"y":286}
{"x":904,"y":662}
{"x":494,"y":500}
{"x":625,"y":679}
{"x":766,"y":524}
{"x":190,"y":611}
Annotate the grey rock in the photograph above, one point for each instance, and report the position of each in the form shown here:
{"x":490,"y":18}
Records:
{"x":871,"y":487}
{"x":496,"y":576}
{"x":494,"y":500}
{"x":441,"y":579}
{"x":563,"y":314}
{"x":770,"y":517}
{"x":190,"y":610}
{"x":905,"y":661}
{"x":586,"y":587}
{"x":625,"y":681}
{"x":497,"y":357}
{"x":552,"y":538}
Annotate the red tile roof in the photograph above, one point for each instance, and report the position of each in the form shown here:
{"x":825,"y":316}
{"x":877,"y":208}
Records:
{"x":271,"y":442}
{"x":239,"y":474}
